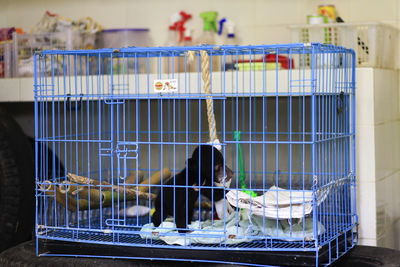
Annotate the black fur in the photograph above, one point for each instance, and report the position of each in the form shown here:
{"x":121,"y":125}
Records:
{"x":206,"y":161}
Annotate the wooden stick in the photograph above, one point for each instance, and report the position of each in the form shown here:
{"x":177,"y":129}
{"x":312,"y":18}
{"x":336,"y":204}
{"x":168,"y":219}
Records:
{"x":165,"y":174}
{"x":72,"y":204}
{"x":95,"y":196}
{"x":132,"y":179}
{"x":128,"y":191}
{"x":68,"y":188}
{"x":105,"y":197}
{"x":65,"y":200}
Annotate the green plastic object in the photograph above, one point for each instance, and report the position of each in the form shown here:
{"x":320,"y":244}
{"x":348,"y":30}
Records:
{"x":242,"y":175}
{"x":210,"y":20}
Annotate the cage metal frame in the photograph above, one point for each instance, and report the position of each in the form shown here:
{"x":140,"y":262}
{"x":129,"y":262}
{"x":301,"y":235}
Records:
{"x":78,"y":82}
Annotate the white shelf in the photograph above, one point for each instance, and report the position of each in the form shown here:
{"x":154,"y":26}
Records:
{"x":254,"y":83}
{"x":16,"y":90}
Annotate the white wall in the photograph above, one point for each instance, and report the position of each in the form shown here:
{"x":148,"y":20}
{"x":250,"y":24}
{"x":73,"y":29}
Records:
{"x":258,"y":21}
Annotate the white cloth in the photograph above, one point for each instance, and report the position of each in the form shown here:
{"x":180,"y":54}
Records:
{"x":135,"y":211}
{"x":277,"y":202}
{"x":239,"y":227}
{"x":204,"y":232}
{"x":219,"y":208}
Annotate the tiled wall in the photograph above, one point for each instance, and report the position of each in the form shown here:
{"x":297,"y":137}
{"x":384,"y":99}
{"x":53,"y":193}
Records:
{"x":366,"y":195}
{"x":378,"y":157}
{"x":258,"y":21}
{"x":387,"y":161}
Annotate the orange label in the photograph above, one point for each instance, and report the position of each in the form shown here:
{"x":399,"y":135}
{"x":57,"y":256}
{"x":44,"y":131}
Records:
{"x":158,"y":86}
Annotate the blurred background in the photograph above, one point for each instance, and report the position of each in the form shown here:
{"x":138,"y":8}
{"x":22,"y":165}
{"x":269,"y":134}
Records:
{"x":256,"y":21}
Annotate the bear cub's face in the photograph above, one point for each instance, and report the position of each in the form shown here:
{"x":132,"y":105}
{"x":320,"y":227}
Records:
{"x":209,"y":161}
{"x":222,"y":175}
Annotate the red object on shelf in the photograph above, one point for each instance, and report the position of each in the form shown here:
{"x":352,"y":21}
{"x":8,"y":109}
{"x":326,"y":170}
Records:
{"x":284,"y":60}
{"x":51,"y":14}
{"x":174,"y":26}
{"x":181,"y":24}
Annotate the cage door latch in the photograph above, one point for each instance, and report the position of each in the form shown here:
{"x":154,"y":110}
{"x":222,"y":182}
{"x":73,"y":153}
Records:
{"x":126,"y":150}
{"x":127,"y":153}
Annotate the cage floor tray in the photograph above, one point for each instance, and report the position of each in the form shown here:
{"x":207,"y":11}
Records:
{"x":255,"y":253}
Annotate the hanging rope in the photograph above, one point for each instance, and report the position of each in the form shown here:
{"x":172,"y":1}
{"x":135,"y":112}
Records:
{"x":205,"y":75}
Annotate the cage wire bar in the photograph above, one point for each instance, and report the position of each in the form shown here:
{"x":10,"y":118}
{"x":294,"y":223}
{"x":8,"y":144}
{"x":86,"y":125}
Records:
{"x":99,"y":114}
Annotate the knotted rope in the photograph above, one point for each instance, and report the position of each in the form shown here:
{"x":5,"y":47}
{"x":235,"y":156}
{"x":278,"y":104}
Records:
{"x":205,"y":75}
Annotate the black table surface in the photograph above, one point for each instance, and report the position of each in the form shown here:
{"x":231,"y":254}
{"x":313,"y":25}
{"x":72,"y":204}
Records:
{"x":25,"y":255}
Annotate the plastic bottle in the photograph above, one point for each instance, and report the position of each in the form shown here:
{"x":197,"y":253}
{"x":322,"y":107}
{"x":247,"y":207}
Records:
{"x":181,"y":24}
{"x":185,"y":39}
{"x":228,"y":39}
{"x":221,"y":36}
{"x":172,"y":39}
{"x":209,"y":28}
{"x":230,"y":26}
{"x":208,"y":35}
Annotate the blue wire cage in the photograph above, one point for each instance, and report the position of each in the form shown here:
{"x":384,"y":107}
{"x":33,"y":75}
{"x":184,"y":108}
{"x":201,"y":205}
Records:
{"x":108,"y":119}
